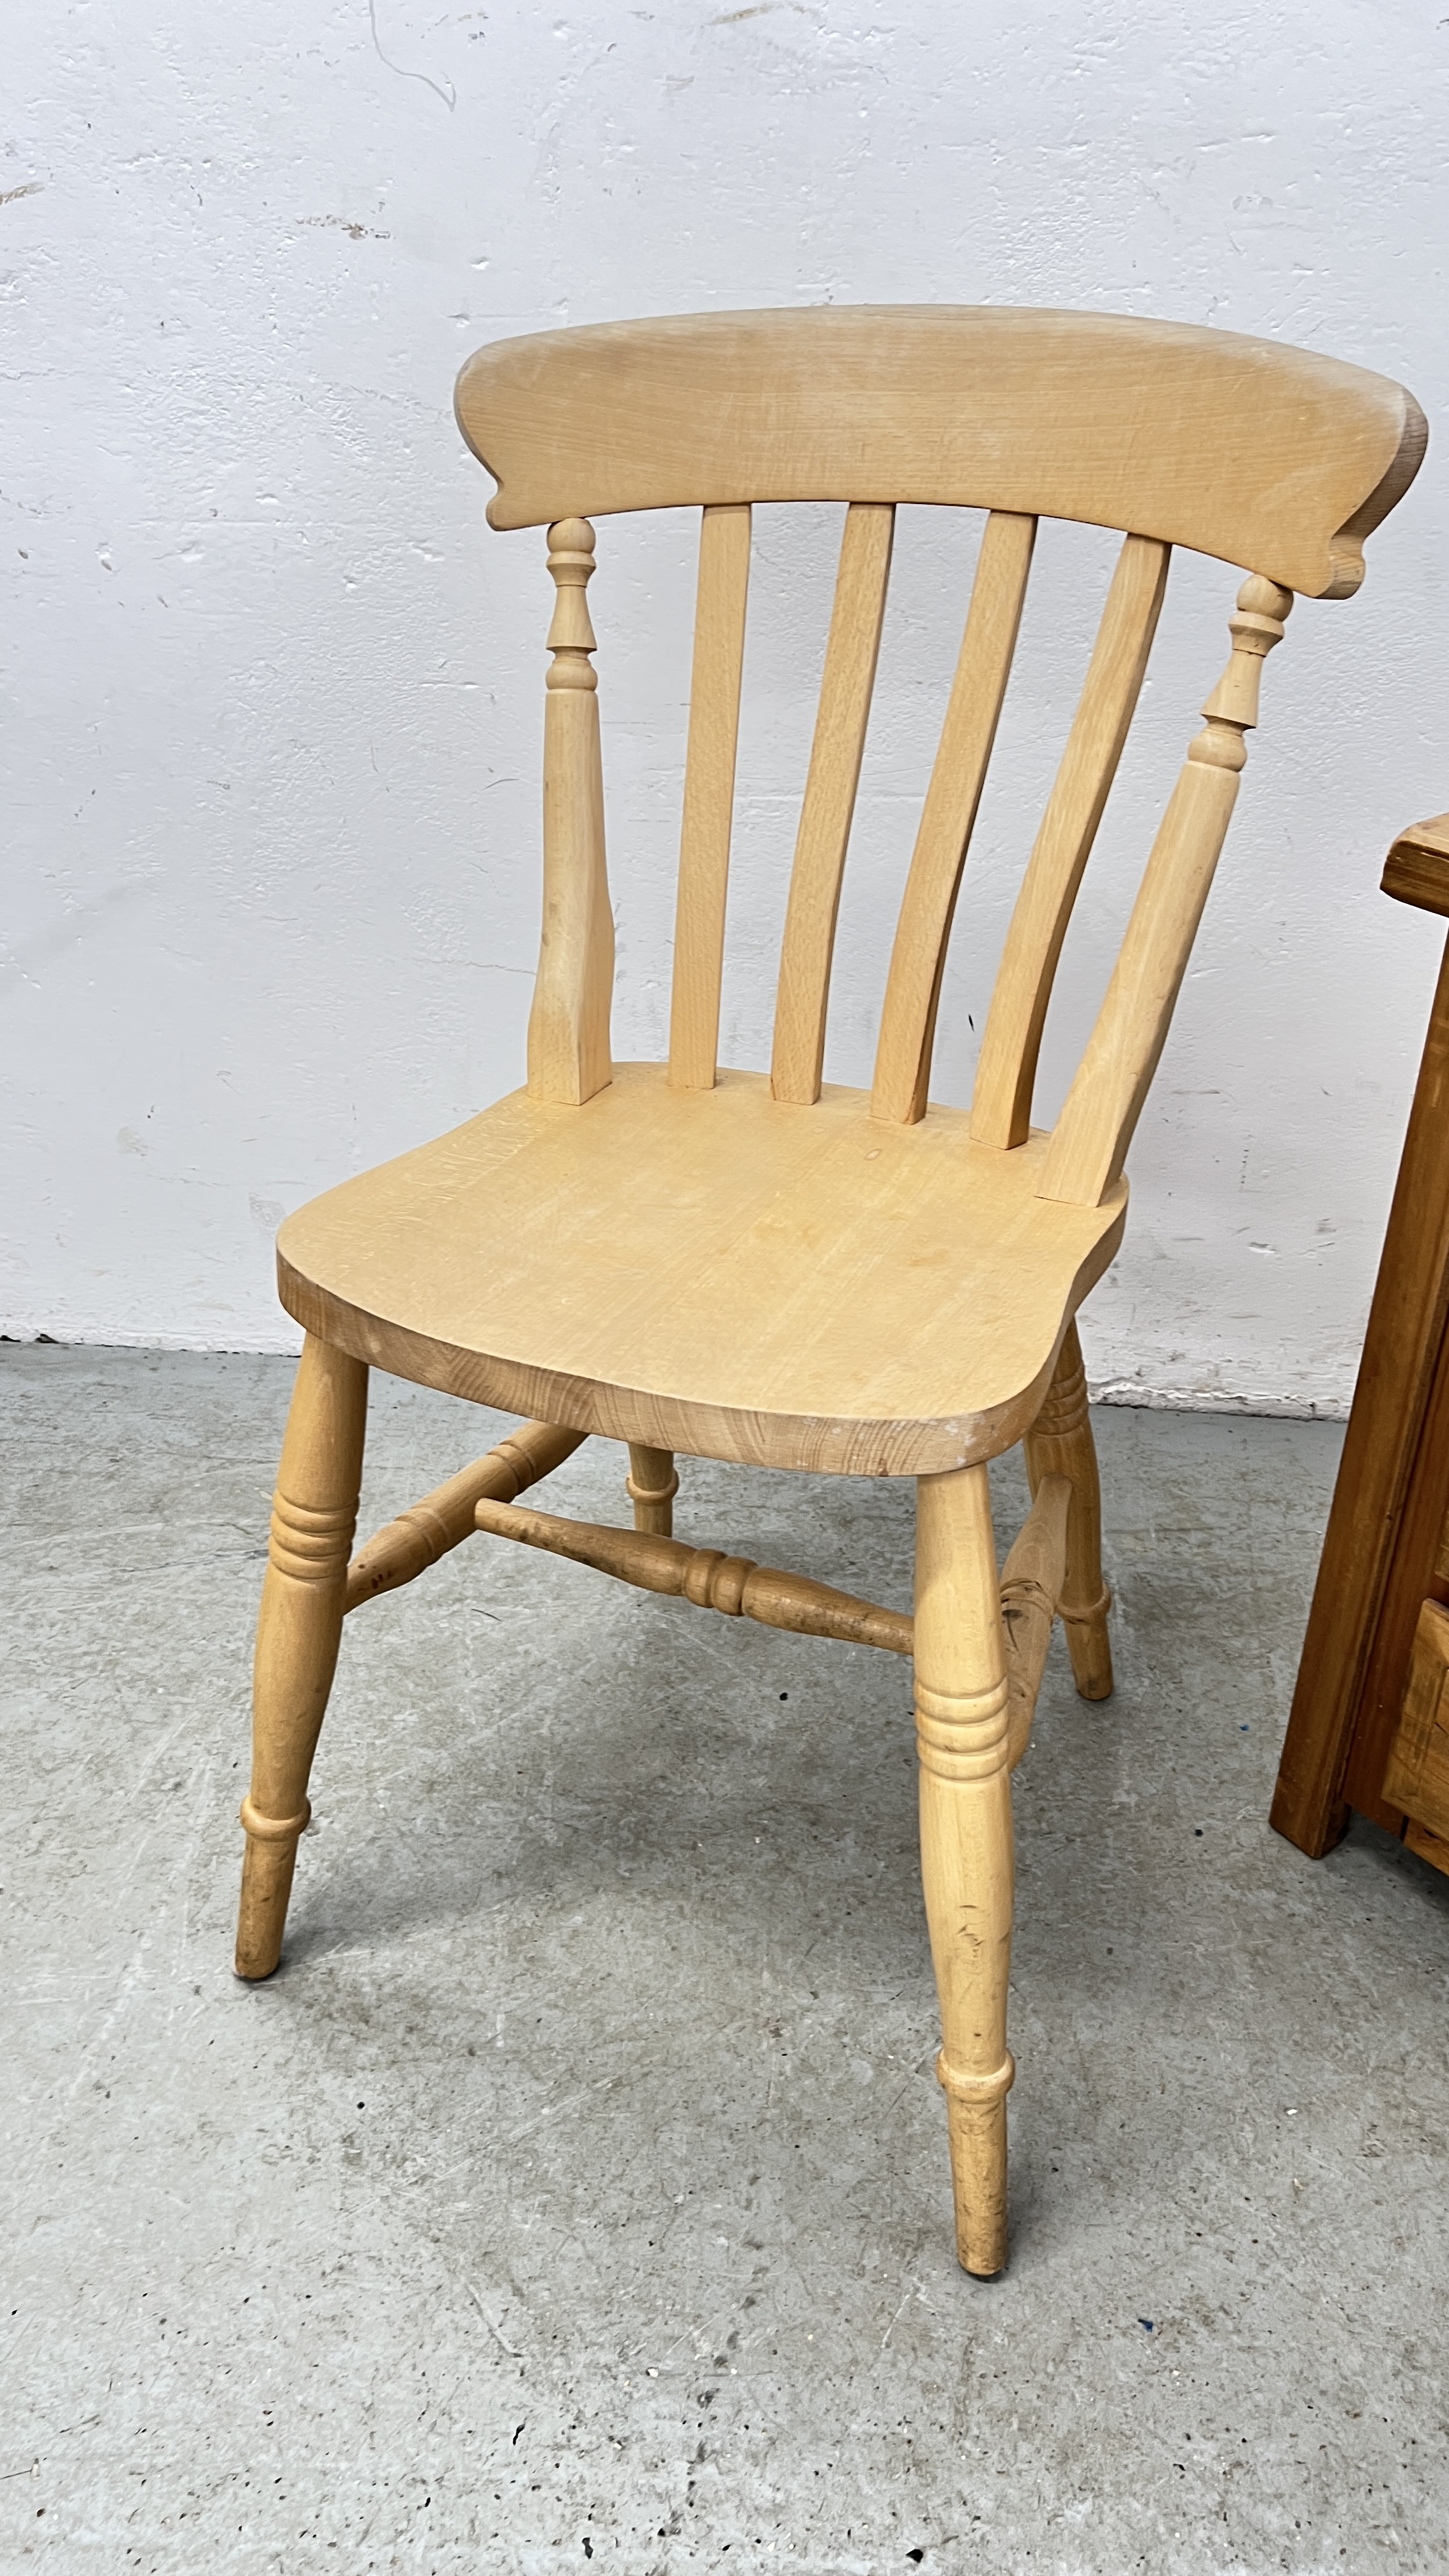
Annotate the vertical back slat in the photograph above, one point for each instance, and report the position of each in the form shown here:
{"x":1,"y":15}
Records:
{"x":709,"y":794}
{"x":1090,"y":1141}
{"x":1092,"y":1135}
{"x":1006,"y":1073}
{"x":913,"y":989}
{"x":825,"y":818}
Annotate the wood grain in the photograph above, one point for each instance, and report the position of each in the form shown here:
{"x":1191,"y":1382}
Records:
{"x":693,"y":1264}
{"x":1416,"y":1776}
{"x":1031,"y":1583}
{"x":709,"y":795}
{"x":1011,"y":1043}
{"x":714,"y":1272}
{"x":1437,"y":1586}
{"x":829,"y":805}
{"x":1095,"y":1129}
{"x":1416,"y":870}
{"x":651,"y":1484}
{"x":407,"y":1546}
{"x":1389,"y":1499}
{"x":314,"y":1512}
{"x":1408,"y":1578}
{"x":913,"y":990}
{"x":1060,"y":1443}
{"x":707,"y":1576}
{"x":1433,"y":1848}
{"x":967,"y":1862}
{"x":568,"y":1027}
{"x":1274,"y":458}
{"x":1031,"y":1588}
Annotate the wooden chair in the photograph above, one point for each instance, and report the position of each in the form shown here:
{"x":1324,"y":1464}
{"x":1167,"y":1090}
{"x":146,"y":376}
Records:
{"x":755,"y":1267}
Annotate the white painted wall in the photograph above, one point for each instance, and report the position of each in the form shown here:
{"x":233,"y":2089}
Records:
{"x":275,"y":702}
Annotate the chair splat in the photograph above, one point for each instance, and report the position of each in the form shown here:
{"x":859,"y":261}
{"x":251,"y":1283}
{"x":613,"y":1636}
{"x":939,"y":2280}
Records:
{"x":1006,"y":1073}
{"x":1095,"y":1129}
{"x":825,"y":816}
{"x":709,"y":794}
{"x":958,"y":775}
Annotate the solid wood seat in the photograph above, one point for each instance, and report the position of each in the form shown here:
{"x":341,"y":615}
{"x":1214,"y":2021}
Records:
{"x":713,"y":1271}
{"x":754,"y":1266}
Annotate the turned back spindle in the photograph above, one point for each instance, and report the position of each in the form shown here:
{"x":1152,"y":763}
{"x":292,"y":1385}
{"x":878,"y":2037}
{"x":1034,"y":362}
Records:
{"x":568,"y":1028}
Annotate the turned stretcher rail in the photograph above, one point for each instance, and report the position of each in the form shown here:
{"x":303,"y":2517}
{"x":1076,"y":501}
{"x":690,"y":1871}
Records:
{"x":1031,"y":1584}
{"x":482,"y":1497}
{"x":407,"y":1546}
{"x":706,"y":1576}
{"x":1031,"y":1589}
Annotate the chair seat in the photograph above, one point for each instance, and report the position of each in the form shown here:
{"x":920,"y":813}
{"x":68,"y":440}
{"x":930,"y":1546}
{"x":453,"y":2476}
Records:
{"x":715,"y":1272}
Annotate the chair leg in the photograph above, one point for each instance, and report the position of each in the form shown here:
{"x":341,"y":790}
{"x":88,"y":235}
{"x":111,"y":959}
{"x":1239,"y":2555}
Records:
{"x":966,"y":1848}
{"x":314,"y":1514}
{"x":1060,"y":1443}
{"x":651,"y":1486}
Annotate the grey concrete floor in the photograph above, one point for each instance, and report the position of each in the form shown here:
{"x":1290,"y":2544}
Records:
{"x":578,"y":2189}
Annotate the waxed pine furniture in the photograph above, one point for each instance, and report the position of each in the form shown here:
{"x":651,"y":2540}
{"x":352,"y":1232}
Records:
{"x":1369,"y":1726}
{"x":747,"y":1265}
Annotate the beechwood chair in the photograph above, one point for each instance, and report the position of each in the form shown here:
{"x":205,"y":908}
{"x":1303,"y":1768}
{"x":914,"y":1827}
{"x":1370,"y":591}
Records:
{"x":760,"y":1268}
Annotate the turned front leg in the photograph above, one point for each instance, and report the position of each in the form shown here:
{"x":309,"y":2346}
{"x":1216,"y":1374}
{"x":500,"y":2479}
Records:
{"x":966,"y":1847}
{"x":314,"y":1514}
{"x":1060,"y":1443}
{"x":651,"y":1486}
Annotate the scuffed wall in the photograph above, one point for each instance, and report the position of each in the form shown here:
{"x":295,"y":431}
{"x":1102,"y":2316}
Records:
{"x":275,"y":690}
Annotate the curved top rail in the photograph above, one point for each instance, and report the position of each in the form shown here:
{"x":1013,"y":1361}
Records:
{"x":1271,"y":457}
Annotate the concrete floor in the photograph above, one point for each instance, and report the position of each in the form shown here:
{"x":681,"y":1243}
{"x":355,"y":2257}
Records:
{"x":578,"y":2189}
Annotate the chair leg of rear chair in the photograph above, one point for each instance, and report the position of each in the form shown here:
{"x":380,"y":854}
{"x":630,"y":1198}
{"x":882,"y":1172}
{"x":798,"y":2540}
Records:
{"x":314,"y":1514}
{"x":1060,"y":1443}
{"x":966,"y":1848}
{"x":651,"y":1486}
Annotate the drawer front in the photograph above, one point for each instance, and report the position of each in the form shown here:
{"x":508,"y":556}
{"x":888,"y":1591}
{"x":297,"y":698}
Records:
{"x":1417,"y":1777}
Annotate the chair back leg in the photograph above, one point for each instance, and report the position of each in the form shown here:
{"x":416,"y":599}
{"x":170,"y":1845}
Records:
{"x":1060,"y":1443}
{"x":966,"y":1846}
{"x":314,"y":1514}
{"x":651,"y":1485}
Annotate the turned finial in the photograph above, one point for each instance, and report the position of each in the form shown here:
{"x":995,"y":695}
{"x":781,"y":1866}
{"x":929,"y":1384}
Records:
{"x":571,"y":637}
{"x":1233,"y":707}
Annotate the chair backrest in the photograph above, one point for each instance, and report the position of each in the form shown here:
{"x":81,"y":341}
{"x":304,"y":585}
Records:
{"x":1273,"y":459}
